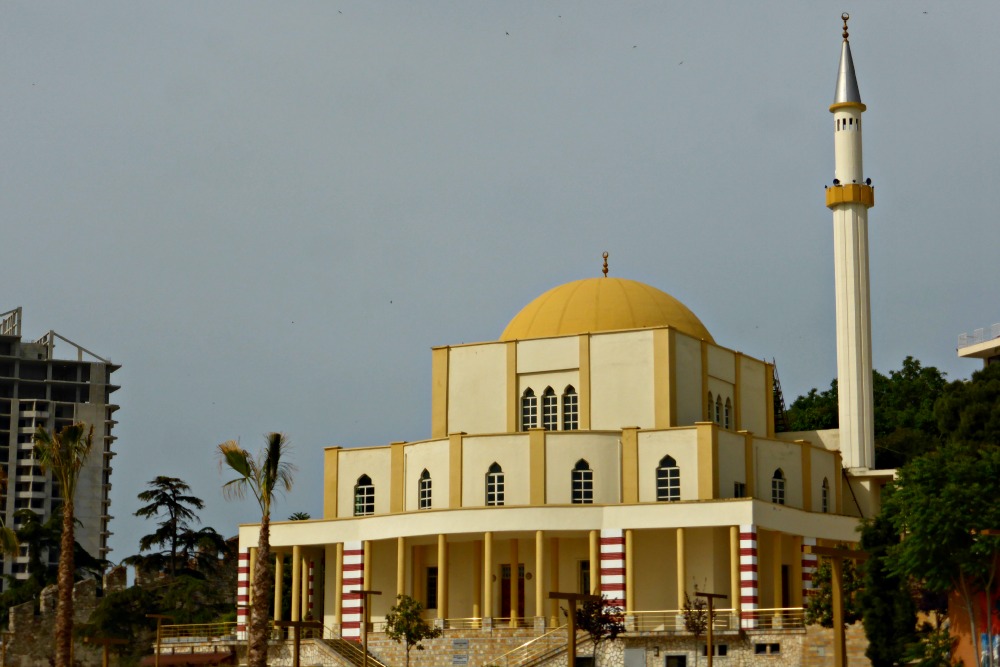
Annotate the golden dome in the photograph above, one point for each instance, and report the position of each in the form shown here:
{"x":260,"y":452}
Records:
{"x":602,"y":304}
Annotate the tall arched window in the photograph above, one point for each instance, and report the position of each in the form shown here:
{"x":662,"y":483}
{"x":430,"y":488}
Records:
{"x":583,"y":483}
{"x":529,"y":410}
{"x":571,"y":409}
{"x":425,"y":490}
{"x":825,"y":498}
{"x":718,"y":409}
{"x":364,"y":496}
{"x":727,"y":420}
{"x":711,"y":407}
{"x":550,"y":410}
{"x":668,"y":480}
{"x":778,"y":487}
{"x":494,"y":485}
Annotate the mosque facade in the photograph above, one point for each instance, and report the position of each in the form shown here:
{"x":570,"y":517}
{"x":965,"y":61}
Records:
{"x":606,"y":444}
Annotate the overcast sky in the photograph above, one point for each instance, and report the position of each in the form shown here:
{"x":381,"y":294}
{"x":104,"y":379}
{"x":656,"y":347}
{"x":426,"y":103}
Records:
{"x":268,"y":213}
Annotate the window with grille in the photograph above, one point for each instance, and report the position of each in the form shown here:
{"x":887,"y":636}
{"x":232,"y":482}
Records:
{"x":529,"y":410}
{"x":550,"y":410}
{"x":739,"y":490}
{"x":494,"y":485}
{"x":718,"y":409}
{"x":364,"y":496}
{"x":727,"y":414}
{"x":425,"y":490}
{"x":571,"y":409}
{"x":711,"y":407}
{"x":825,"y":498}
{"x":778,"y":487}
{"x":583,"y":483}
{"x":668,"y":480}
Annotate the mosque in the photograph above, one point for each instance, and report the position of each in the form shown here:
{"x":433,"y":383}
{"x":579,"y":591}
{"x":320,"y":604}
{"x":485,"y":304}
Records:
{"x":605,"y":443}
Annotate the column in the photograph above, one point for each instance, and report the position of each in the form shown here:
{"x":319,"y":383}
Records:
{"x":595,"y":563}
{"x":748,"y":576}
{"x":400,"y":566}
{"x":242,"y":593}
{"x":279,"y":583}
{"x":681,"y":569}
{"x":353,"y":579}
{"x":368,"y":548}
{"x":306,"y":586}
{"x":296,"y":583}
{"x":776,"y":573}
{"x":477,"y":580}
{"x":612,"y":562}
{"x":734,"y":569}
{"x":809,"y":564}
{"x":442,"y":582}
{"x":629,"y":573}
{"x":253,"y":569}
{"x":554,"y":580}
{"x":338,"y":585}
{"x":488,"y":574}
{"x":331,"y":591}
{"x":539,"y":574}
{"x":515,"y":593}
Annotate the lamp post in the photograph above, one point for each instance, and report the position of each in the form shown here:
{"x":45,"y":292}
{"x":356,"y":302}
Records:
{"x":296,"y":627}
{"x":711,"y":597}
{"x":365,"y":597}
{"x":837,"y":557}
{"x":105,"y":642}
{"x":159,"y":619}
{"x":572,"y":598}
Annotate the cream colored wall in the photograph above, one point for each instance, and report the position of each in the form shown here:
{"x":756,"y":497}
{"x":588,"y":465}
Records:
{"x":687,"y":372}
{"x":731,"y":462}
{"x":724,"y":389}
{"x":602,"y":452}
{"x":621,"y":380}
{"x":477,"y":388}
{"x":548,"y":354}
{"x":771,"y":455}
{"x":374,"y":462}
{"x":682,"y":445}
{"x":433,"y":456}
{"x":707,"y":561}
{"x":722,"y":364}
{"x":823,"y":465}
{"x":655,"y":563}
{"x":511,"y":452}
{"x":753,"y":397}
{"x":383,"y":577}
{"x":572,"y":550}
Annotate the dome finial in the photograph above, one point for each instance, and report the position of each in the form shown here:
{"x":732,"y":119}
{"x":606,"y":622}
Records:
{"x":846,"y":17}
{"x":605,"y":269}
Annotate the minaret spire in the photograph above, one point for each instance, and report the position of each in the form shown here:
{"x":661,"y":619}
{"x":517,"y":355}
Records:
{"x":849,"y":198}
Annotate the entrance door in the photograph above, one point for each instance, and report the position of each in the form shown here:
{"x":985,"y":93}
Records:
{"x":676,"y":661}
{"x":505,"y":590}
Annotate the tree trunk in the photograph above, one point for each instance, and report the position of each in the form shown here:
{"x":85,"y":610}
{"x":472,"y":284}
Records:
{"x":64,"y":603}
{"x":260,"y":609}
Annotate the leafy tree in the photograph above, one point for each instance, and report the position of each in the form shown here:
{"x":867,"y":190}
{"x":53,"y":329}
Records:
{"x":819,"y":608}
{"x":263,"y":477}
{"x":403,"y":624}
{"x":945,"y":503}
{"x":970,"y":411}
{"x":814,"y":411}
{"x":601,"y":621}
{"x":64,"y":453}
{"x":167,"y":499}
{"x":696,"y":619}
{"x":889,"y":611}
{"x":933,"y":648}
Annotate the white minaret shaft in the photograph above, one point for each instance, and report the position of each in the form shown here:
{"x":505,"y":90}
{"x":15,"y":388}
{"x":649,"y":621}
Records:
{"x":849,"y":198}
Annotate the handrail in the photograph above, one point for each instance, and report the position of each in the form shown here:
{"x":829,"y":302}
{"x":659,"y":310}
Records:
{"x":526,"y":647}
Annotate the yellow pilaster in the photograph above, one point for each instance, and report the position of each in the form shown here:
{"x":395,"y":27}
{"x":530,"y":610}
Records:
{"x":304,"y":588}
{"x":708,"y":455}
{"x":400,"y":566}
{"x":368,"y":565}
{"x":539,"y":574}
{"x":595,"y":562}
{"x":296,"y":583}
{"x":397,"y":483}
{"x":477,"y":580}
{"x":776,"y":546}
{"x":630,"y":465}
{"x":536,"y":452}
{"x":554,"y":580}
{"x":279,"y":581}
{"x":455,"y":470}
{"x":748,"y":462}
{"x":584,"y":388}
{"x":795,"y":576}
{"x":418,"y":575}
{"x":705,"y":410}
{"x":513,"y":394}
{"x":738,"y":393}
{"x":681,"y":569}
{"x":629,"y":572}
{"x":338,"y":586}
{"x":331,"y":459}
{"x":253,"y":570}
{"x":662,"y":379}
{"x":807,"y":496}
{"x":487,"y":574}
{"x":515,"y":593}
{"x":439,"y":392}
{"x":838,"y":483}
{"x":442,"y":591}
{"x":734,"y":569}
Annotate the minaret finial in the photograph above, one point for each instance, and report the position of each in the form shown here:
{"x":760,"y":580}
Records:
{"x":605,"y":270}
{"x":846,"y":17}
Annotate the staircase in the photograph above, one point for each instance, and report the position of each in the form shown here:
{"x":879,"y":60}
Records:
{"x":347,"y":652}
{"x":780,"y":418}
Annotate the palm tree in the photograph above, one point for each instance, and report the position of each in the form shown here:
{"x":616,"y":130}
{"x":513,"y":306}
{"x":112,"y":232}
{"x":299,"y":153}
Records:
{"x":263,"y":477}
{"x":64,"y":454}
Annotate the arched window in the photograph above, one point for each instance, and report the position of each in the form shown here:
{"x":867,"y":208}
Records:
{"x":727,"y":414}
{"x":364,"y":496}
{"x":711,"y":407}
{"x":571,"y":409}
{"x":425,"y":490}
{"x":494,"y":485}
{"x":583,"y":483}
{"x":529,"y":410}
{"x":825,"y":498}
{"x":718,"y":409}
{"x":550,"y":410}
{"x":668,"y":480}
{"x":778,"y":487}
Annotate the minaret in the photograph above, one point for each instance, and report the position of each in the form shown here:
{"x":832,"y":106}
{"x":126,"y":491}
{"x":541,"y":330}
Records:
{"x":849,"y":198}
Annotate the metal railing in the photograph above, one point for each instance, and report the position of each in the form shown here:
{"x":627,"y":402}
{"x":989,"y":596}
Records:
{"x":978,"y":336}
{"x":200,"y":632}
{"x":551,"y":642}
{"x":672,"y":620}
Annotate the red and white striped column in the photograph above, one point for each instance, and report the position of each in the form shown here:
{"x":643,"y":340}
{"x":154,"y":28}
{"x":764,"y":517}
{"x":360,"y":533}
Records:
{"x":310,"y":610}
{"x":749,"y":595}
{"x":354,"y":579}
{"x":242,"y":593}
{"x":613,"y":566}
{"x":809,"y":564}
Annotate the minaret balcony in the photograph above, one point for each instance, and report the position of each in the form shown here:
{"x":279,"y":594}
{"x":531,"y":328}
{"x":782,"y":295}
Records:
{"x":855,"y":193}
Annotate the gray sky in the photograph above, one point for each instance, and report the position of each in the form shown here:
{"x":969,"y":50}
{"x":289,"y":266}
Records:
{"x":269,"y":212}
